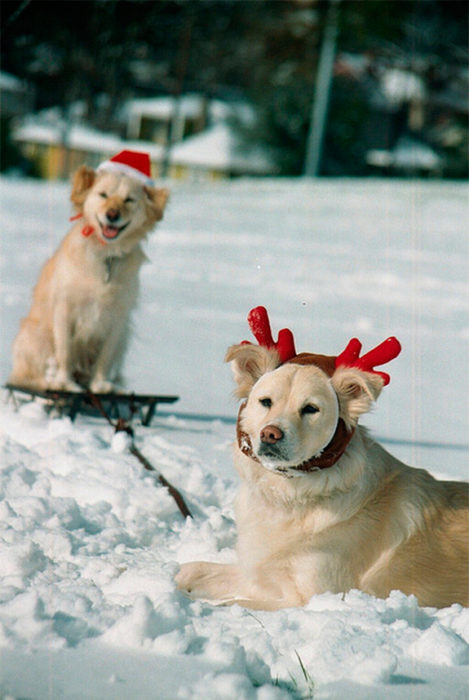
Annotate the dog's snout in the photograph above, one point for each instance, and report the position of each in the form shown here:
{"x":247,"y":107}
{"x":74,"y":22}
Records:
{"x":112,"y":214}
{"x":271,"y":434}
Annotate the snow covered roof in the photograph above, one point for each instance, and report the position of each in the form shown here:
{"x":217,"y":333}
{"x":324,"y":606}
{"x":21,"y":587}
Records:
{"x":408,"y":154}
{"x":78,"y":137}
{"x":10,"y":83}
{"x":215,"y":148}
{"x":218,"y":148}
{"x":415,"y":155}
{"x":402,"y":86}
{"x":189,"y":106}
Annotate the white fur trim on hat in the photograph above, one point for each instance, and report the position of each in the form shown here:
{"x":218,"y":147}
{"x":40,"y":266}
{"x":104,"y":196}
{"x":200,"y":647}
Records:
{"x":112,"y":167}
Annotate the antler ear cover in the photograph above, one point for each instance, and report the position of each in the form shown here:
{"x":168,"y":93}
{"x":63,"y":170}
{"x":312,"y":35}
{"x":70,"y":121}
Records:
{"x":350,"y":354}
{"x":386,"y":351}
{"x":259,"y":324}
{"x":380,"y":355}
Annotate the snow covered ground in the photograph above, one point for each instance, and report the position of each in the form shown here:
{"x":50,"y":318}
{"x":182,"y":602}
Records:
{"x":89,"y":541}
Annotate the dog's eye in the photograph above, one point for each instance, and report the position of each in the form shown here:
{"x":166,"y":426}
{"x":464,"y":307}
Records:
{"x":309,"y":408}
{"x":266,"y":402}
{"x":127,"y":200}
{"x":103,"y":195}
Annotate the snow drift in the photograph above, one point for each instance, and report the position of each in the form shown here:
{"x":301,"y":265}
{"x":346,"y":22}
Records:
{"x":89,"y":541}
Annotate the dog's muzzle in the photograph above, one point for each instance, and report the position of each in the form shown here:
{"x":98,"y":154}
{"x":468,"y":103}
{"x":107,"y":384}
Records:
{"x":272,"y":450}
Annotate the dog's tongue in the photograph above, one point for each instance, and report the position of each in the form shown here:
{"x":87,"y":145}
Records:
{"x":110,"y":231}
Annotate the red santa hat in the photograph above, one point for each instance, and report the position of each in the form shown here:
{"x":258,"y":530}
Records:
{"x":132,"y":163}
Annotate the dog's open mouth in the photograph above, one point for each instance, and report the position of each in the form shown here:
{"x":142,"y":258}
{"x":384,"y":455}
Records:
{"x":112,"y":232}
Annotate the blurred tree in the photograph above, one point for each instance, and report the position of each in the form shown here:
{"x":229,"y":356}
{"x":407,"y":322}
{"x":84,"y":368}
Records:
{"x":100,"y":52}
{"x":423,"y":36}
{"x":89,"y":48}
{"x":78,"y":50}
{"x":10,"y":156}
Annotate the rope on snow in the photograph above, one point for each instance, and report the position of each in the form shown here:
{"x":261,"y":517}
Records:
{"x":122,"y":425}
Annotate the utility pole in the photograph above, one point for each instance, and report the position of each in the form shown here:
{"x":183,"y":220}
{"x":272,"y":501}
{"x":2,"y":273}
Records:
{"x":181,"y":70}
{"x":315,"y":142}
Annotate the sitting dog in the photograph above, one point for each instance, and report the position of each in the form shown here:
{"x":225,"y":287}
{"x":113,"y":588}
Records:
{"x":322,"y":506}
{"x":77,"y":329}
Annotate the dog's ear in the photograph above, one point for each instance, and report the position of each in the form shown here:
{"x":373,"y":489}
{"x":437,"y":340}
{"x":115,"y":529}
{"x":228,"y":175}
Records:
{"x":156,"y":200}
{"x":356,"y":391}
{"x":83,"y":180}
{"x":249,"y":363}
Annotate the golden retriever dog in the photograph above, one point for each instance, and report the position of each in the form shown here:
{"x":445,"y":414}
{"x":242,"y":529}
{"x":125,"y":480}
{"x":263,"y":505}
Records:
{"x":322,"y":506}
{"x":77,"y":329}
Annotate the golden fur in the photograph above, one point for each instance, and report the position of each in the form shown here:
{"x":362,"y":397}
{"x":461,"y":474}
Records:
{"x":77,"y":329}
{"x":369,"y":522}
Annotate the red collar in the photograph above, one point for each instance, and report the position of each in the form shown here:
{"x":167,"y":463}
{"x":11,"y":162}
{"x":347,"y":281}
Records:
{"x":87,"y":230}
{"x":329,"y":456}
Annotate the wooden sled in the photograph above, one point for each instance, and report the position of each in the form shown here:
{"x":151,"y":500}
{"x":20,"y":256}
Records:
{"x":71,"y":403}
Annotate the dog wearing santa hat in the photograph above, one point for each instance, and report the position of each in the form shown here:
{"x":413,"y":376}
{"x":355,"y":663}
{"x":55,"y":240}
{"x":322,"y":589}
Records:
{"x":77,"y":329}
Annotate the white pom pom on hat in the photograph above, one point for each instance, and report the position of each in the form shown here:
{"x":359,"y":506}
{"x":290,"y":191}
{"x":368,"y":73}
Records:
{"x":132,"y":163}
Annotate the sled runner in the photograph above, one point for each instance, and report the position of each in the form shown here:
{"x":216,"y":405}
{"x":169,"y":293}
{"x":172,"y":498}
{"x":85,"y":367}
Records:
{"x":71,"y":403}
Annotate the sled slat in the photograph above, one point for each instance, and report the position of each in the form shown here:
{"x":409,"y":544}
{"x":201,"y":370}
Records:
{"x":72,"y":403}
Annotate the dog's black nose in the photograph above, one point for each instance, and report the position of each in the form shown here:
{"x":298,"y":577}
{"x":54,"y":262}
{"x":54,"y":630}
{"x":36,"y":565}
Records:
{"x":271,"y":434}
{"x":112,"y":214}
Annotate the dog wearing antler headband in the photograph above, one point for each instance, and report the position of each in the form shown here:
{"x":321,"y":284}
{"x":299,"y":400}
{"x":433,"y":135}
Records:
{"x":322,"y":506}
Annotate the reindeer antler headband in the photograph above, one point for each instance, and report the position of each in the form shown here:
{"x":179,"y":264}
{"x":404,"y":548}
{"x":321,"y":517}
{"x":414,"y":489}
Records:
{"x":386,"y":351}
{"x":259,"y":324}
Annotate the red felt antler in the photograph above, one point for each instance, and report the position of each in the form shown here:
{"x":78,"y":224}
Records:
{"x":259,"y":324}
{"x":382,"y":353}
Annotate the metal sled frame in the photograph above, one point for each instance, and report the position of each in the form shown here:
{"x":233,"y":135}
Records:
{"x":72,"y":403}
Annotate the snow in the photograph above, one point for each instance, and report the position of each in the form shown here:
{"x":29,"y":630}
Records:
{"x":49,"y":128}
{"x":10,"y":83}
{"x":189,"y":106}
{"x":408,"y":155}
{"x":401,"y":86}
{"x":218,"y":148}
{"x":89,"y":541}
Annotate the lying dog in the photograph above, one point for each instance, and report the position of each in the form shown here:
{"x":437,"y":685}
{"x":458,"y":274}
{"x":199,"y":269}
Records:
{"x":77,"y":329}
{"x":323,"y":507}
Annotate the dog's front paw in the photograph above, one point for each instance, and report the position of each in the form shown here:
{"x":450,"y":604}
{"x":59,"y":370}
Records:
{"x":188,"y":578}
{"x":61,"y":382}
{"x":102,"y":386}
{"x":202,"y":579}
